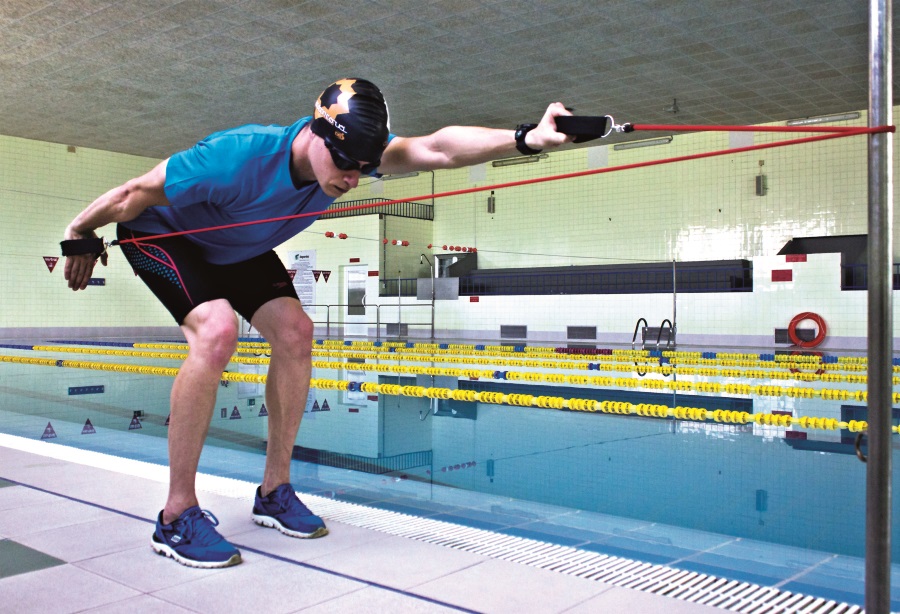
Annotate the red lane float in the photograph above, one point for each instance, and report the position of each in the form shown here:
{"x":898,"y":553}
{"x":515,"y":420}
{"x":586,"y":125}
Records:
{"x":819,"y":369}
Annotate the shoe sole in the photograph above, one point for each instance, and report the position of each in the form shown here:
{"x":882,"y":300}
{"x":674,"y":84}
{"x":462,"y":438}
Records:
{"x":164,"y":550}
{"x":272,"y":523}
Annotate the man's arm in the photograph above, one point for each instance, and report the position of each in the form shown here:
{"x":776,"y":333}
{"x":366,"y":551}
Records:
{"x":458,"y":146}
{"x":120,"y":204}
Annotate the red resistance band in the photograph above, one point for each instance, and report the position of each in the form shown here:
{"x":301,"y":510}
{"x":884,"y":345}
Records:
{"x":834,"y":132}
{"x":680,"y":128}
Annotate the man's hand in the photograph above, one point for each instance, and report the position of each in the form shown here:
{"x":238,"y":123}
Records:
{"x":78,"y":269}
{"x":545,"y":135}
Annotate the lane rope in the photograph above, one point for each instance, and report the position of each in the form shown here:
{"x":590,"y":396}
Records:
{"x":753,"y":366}
{"x":760,"y":390}
{"x":647,"y":410}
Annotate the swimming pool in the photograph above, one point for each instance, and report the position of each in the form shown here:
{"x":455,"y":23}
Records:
{"x":766,"y":503}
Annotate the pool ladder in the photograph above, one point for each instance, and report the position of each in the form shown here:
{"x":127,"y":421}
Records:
{"x":663,"y":328}
{"x":670,"y":339}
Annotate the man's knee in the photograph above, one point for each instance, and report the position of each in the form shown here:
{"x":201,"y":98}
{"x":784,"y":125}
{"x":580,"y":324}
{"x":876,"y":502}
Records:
{"x":213,"y":334}
{"x":298,"y":331}
{"x":294,"y":333}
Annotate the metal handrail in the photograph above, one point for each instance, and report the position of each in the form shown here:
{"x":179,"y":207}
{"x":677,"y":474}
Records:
{"x":637,"y":327}
{"x":377,"y":321}
{"x":671,"y":336}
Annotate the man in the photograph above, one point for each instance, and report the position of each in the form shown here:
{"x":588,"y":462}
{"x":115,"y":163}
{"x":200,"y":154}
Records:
{"x":247,"y":174}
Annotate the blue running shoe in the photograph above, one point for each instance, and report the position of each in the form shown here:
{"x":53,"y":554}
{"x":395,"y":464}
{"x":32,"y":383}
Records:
{"x":282,"y":510}
{"x":192,"y":540}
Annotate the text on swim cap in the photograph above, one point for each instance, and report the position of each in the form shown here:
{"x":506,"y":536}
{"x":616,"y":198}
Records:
{"x":329,"y":118}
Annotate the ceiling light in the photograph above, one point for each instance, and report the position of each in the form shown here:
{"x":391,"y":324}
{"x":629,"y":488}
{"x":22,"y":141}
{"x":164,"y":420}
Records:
{"x":823,"y":119}
{"x":518,"y":160}
{"x":400,"y":176}
{"x":663,"y":140}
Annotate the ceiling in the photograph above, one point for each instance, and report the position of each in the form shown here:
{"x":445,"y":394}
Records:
{"x":150,"y":77}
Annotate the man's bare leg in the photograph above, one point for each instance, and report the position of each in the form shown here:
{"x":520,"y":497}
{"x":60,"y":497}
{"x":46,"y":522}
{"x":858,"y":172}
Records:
{"x":211,"y":332}
{"x":284,"y":324}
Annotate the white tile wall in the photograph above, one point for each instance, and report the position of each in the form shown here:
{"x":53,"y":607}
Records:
{"x":695,"y":210}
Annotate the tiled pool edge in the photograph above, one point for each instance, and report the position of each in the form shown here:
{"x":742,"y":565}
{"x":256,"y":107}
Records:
{"x":658,"y":579}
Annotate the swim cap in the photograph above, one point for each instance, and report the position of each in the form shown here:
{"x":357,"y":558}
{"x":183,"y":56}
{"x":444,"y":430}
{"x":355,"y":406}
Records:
{"x":353,"y":115}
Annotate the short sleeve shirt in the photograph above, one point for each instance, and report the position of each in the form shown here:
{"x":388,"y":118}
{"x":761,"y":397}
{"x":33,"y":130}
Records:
{"x":237,"y":175}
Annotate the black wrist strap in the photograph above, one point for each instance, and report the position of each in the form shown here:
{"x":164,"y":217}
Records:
{"x":521,"y":131}
{"x":79,"y":247}
{"x":584,"y":128}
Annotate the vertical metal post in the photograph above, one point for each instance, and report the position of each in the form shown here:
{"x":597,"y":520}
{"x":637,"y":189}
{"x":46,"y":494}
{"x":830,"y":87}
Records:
{"x":423,"y":259}
{"x":431,"y":267}
{"x":674,"y":303}
{"x":880,"y":322}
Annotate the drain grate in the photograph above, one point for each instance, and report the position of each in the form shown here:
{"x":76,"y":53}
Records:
{"x":665,"y":581}
{"x":689,"y":586}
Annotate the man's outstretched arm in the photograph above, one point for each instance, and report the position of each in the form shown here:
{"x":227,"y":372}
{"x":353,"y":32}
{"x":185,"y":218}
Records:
{"x":120,"y":204}
{"x":459,"y":146}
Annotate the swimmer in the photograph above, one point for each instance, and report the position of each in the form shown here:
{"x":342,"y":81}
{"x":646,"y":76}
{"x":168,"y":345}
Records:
{"x":253,"y":173}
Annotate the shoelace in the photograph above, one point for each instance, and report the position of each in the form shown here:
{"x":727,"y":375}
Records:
{"x":199,"y":527}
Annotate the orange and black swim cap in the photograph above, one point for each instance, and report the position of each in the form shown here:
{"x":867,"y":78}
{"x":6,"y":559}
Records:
{"x":353,"y":116}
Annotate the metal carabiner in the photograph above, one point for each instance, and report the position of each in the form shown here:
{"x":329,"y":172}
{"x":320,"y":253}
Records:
{"x":614,"y":127}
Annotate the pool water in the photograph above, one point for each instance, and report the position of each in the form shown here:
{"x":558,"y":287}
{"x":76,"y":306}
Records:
{"x":773,"y":505}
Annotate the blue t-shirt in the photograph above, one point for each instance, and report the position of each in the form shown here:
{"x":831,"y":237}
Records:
{"x":237,"y":175}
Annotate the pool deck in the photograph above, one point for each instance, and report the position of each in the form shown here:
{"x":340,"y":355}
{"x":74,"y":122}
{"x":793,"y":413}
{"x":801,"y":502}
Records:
{"x":74,"y":538}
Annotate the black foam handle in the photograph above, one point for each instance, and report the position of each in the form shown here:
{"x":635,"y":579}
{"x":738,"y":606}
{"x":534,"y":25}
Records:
{"x":78,"y":247}
{"x":583,"y":128}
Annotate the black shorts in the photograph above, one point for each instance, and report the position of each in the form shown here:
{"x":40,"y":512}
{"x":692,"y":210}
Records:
{"x":177,"y":273}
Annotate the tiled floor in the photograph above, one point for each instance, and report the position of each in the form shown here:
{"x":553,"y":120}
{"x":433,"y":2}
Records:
{"x":75,"y":539}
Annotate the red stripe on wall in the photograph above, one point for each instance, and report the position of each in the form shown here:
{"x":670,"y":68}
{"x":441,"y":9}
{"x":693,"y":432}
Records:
{"x":373,"y":273}
{"x":795,"y":258}
{"x":473,"y":299}
{"x":783,"y":275}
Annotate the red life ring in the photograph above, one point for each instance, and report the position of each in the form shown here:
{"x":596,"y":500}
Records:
{"x":807,"y":315}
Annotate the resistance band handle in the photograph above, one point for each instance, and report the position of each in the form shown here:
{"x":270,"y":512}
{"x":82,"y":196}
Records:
{"x":79,"y":247}
{"x":583,"y":128}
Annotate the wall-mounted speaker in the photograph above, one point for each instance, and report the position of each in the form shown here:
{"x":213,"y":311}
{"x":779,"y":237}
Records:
{"x":761,"y":185}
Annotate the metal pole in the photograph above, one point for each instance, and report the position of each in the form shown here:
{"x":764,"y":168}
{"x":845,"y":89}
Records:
{"x":424,"y":258}
{"x":674,"y":303}
{"x":880,"y":322}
